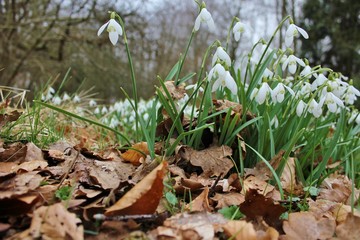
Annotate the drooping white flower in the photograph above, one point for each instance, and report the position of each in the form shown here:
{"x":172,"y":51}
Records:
{"x":267,"y":73}
{"x":355,"y":116}
{"x":114,"y":29}
{"x":331,"y":101}
{"x":306,"y":72}
{"x":238,"y":29}
{"x":315,"y":108}
{"x":217,"y":70}
{"x":76,"y":99}
{"x":290,"y":62}
{"x":278,"y":93}
{"x":66,"y":97}
{"x":56,"y":100}
{"x":305,"y":89}
{"x":97,"y":110}
{"x":104,"y":110}
{"x":92,"y":103}
{"x":274,"y":122}
{"x":351,"y":94}
{"x":293,"y":31}
{"x":204,"y":16}
{"x":300,"y":108}
{"x":222,"y":55}
{"x":261,"y":93}
{"x":320,"y":80}
{"x":225,"y":80}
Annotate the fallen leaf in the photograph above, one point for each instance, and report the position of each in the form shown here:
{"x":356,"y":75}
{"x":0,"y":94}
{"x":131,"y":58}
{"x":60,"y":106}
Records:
{"x":214,"y":160}
{"x":193,"y":226}
{"x":55,"y":222}
{"x":304,"y":225}
{"x":257,"y":205}
{"x":31,"y":165}
{"x":288,"y":178}
{"x":261,"y":186}
{"x":239,"y":230}
{"x":228,"y":199}
{"x":9,"y":117}
{"x":200,"y":203}
{"x":137,"y":152}
{"x":336,"y":188}
{"x":176,"y":91}
{"x":144,"y":197}
{"x":349,"y":229}
{"x":19,"y":184}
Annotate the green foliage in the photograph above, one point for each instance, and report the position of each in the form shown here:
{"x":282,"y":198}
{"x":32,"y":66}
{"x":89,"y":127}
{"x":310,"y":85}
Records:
{"x":64,"y":193}
{"x":232,"y":213}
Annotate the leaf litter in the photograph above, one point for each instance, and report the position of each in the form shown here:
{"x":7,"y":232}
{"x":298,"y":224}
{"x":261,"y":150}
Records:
{"x":76,"y":191}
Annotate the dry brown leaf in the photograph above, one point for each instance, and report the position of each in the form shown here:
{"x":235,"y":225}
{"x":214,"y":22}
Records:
{"x":9,"y":117}
{"x":270,"y":234}
{"x":144,"y":197}
{"x":349,"y":229}
{"x":228,"y":199}
{"x":304,"y":225}
{"x":214,"y":160}
{"x":239,"y":230}
{"x":19,"y":184}
{"x":288,"y":178}
{"x":200,"y":203}
{"x":14,"y":152}
{"x":195,"y":226}
{"x":55,"y":222}
{"x":31,"y":165}
{"x":176,"y":91}
{"x":336,"y":188}
{"x":261,"y":186}
{"x":138,"y":152}
{"x":257,"y":205}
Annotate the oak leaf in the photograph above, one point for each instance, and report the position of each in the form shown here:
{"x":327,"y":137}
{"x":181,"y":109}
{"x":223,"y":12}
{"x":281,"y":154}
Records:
{"x":144,"y":197}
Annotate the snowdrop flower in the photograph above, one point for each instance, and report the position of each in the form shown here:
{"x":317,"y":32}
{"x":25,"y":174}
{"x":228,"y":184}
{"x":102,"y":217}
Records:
{"x":114,"y":122}
{"x":225,"y":80}
{"x":355,"y":115}
{"x":320,"y":80}
{"x":217,"y":70}
{"x":300,"y":108}
{"x":293,"y":31}
{"x":305,"y":89}
{"x":222,"y":55}
{"x":267,"y":73}
{"x":66,"y":97}
{"x":290,"y":62}
{"x":261,"y":93}
{"x":76,"y":99}
{"x":104,"y":110}
{"x":56,"y":100}
{"x":97,"y":110}
{"x":92,"y":103}
{"x":351,"y":95}
{"x":306,"y":72}
{"x":331,"y":101}
{"x":114,"y":29}
{"x":193,"y":87}
{"x":315,"y":108}
{"x":274,"y":122}
{"x":204,"y":16}
{"x":238,"y":29}
{"x":278,"y":93}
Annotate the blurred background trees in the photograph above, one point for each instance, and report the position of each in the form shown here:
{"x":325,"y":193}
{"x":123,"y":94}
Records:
{"x":42,"y":39}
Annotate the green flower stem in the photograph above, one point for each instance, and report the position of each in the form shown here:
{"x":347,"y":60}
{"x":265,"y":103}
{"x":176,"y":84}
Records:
{"x":182,"y":58}
{"x":133,"y":79}
{"x":229,"y":31}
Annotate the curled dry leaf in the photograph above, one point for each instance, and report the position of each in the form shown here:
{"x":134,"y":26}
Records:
{"x":288,"y":178}
{"x":239,"y":230}
{"x":19,"y":184}
{"x":176,"y":92}
{"x":336,"y":189}
{"x":304,"y":225}
{"x":214,"y":160}
{"x":257,"y":205}
{"x":200,"y":203}
{"x":9,"y":117}
{"x":144,"y":197}
{"x":137,"y":152}
{"x":349,"y":229}
{"x":55,"y":222}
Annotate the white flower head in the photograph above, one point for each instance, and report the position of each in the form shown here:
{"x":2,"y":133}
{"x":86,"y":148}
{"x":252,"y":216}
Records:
{"x":320,"y":80}
{"x":114,"y":29}
{"x":293,"y":31}
{"x":56,"y":100}
{"x":291,"y":63}
{"x":332,"y":102}
{"x":300,"y":108}
{"x":278,"y":93}
{"x":225,"y":80}
{"x":261,"y":93}
{"x":222,"y":55}
{"x":315,"y":108}
{"x":76,"y":99}
{"x":204,"y":16}
{"x":66,"y":97}
{"x":92,"y":103}
{"x":240,"y":28}
{"x":306,"y":72}
{"x":351,"y":94}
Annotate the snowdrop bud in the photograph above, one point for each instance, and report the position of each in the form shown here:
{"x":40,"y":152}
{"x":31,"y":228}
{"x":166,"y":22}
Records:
{"x":293,"y":31}
{"x":204,"y":16}
{"x":300,"y":108}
